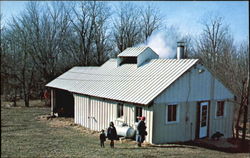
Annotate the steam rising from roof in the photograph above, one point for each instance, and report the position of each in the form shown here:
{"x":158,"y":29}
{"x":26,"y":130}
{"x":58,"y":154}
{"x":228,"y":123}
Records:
{"x":164,"y":44}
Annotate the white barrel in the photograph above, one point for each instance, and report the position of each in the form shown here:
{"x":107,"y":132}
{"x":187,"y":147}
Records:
{"x":125,"y":131}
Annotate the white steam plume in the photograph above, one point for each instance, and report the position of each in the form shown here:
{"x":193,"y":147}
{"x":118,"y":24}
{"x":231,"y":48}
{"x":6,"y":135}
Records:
{"x":163,"y":44}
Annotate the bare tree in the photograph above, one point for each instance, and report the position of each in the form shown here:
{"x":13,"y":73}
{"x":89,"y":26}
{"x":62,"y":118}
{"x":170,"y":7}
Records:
{"x":101,"y":35}
{"x":126,"y":27}
{"x":150,"y":21}
{"x":217,"y":50}
{"x":19,"y":69}
{"x":83,"y":27}
{"x":36,"y":41}
{"x":212,"y":39}
{"x":47,"y":31}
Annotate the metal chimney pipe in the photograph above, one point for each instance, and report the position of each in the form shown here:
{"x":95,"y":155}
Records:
{"x":180,"y":50}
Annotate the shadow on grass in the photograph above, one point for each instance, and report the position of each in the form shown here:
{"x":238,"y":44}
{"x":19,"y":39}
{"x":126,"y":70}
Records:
{"x":172,"y":146}
{"x":135,"y":148}
{"x":242,"y":147}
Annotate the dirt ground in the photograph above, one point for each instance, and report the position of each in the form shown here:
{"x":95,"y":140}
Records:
{"x":65,"y":122}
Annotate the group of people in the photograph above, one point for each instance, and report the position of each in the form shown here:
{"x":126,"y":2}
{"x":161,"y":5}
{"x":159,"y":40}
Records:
{"x":112,"y":134}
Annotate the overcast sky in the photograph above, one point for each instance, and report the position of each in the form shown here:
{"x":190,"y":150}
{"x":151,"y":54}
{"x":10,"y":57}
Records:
{"x":184,"y":15}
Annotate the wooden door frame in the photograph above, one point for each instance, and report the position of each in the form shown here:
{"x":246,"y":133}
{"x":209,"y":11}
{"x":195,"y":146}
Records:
{"x":197,"y":129}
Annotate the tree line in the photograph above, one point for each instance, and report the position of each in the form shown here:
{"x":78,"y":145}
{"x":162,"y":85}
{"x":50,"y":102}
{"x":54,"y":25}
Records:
{"x":47,"y":39}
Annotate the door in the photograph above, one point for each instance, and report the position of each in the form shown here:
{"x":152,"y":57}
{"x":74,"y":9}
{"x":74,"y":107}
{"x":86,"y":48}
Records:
{"x":203,"y":119}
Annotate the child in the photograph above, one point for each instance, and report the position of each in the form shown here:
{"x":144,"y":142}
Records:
{"x":102,"y":138}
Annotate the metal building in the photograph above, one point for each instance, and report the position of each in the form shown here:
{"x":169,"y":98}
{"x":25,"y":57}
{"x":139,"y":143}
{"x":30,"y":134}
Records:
{"x":180,"y":98}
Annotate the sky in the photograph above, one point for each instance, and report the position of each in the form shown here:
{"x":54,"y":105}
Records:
{"x":186,"y":15}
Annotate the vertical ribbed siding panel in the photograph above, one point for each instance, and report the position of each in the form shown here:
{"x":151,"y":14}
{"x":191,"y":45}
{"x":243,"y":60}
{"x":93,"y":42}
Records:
{"x":91,"y":114}
{"x":148,"y":113}
{"x":96,"y":108}
{"x":98,"y":115}
{"x":93,"y":108}
{"x":111,"y":113}
{"x":101,"y":113}
{"x":82,"y":104}
{"x":79,"y":110}
{"x":105,"y":113}
{"x":128,"y":114}
{"x":223,"y":124}
{"x":103,"y":116}
{"x":87,"y":112}
{"x":78,"y":104}
{"x":82,"y":108}
{"x":150,"y":126}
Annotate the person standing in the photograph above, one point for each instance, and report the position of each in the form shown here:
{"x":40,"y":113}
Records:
{"x":141,"y":131}
{"x":112,"y":135}
{"x":102,"y":138}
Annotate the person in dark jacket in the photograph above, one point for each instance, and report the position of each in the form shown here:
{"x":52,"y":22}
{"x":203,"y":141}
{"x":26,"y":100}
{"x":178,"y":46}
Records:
{"x":141,"y":131}
{"x":111,"y":134}
{"x":102,"y":138}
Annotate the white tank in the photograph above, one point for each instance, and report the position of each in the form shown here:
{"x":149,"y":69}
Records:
{"x":125,"y":131}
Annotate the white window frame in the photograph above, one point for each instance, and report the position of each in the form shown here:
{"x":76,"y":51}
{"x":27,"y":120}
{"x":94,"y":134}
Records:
{"x":177,"y":113}
{"x":224,"y":110}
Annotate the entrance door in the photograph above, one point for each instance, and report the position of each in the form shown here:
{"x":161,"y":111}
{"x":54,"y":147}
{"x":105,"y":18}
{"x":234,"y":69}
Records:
{"x":203,"y":119}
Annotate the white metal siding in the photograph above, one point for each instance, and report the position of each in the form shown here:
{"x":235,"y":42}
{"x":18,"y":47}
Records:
{"x":81,"y":110}
{"x":222,"y":124}
{"x":194,"y":86}
{"x":186,"y":92}
{"x":183,"y":130}
{"x":96,"y":114}
{"x":129,"y":118}
{"x":146,"y":55}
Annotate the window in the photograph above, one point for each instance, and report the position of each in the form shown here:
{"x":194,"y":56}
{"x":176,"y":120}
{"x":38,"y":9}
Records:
{"x":138,"y":113}
{"x":119,"y":110}
{"x":171,"y":111}
{"x":220,"y":108}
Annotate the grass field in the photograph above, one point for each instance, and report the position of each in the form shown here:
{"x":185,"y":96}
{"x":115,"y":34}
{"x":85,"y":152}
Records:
{"x":24,"y":135}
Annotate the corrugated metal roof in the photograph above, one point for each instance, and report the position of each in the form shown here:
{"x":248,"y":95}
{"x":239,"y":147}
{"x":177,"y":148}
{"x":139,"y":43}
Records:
{"x":132,"y":51}
{"x":110,"y":63}
{"x":127,"y":82}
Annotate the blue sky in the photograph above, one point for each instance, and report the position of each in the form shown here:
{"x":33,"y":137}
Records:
{"x":186,"y":15}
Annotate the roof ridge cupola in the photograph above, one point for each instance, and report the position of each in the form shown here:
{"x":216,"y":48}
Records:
{"x":136,"y":55}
